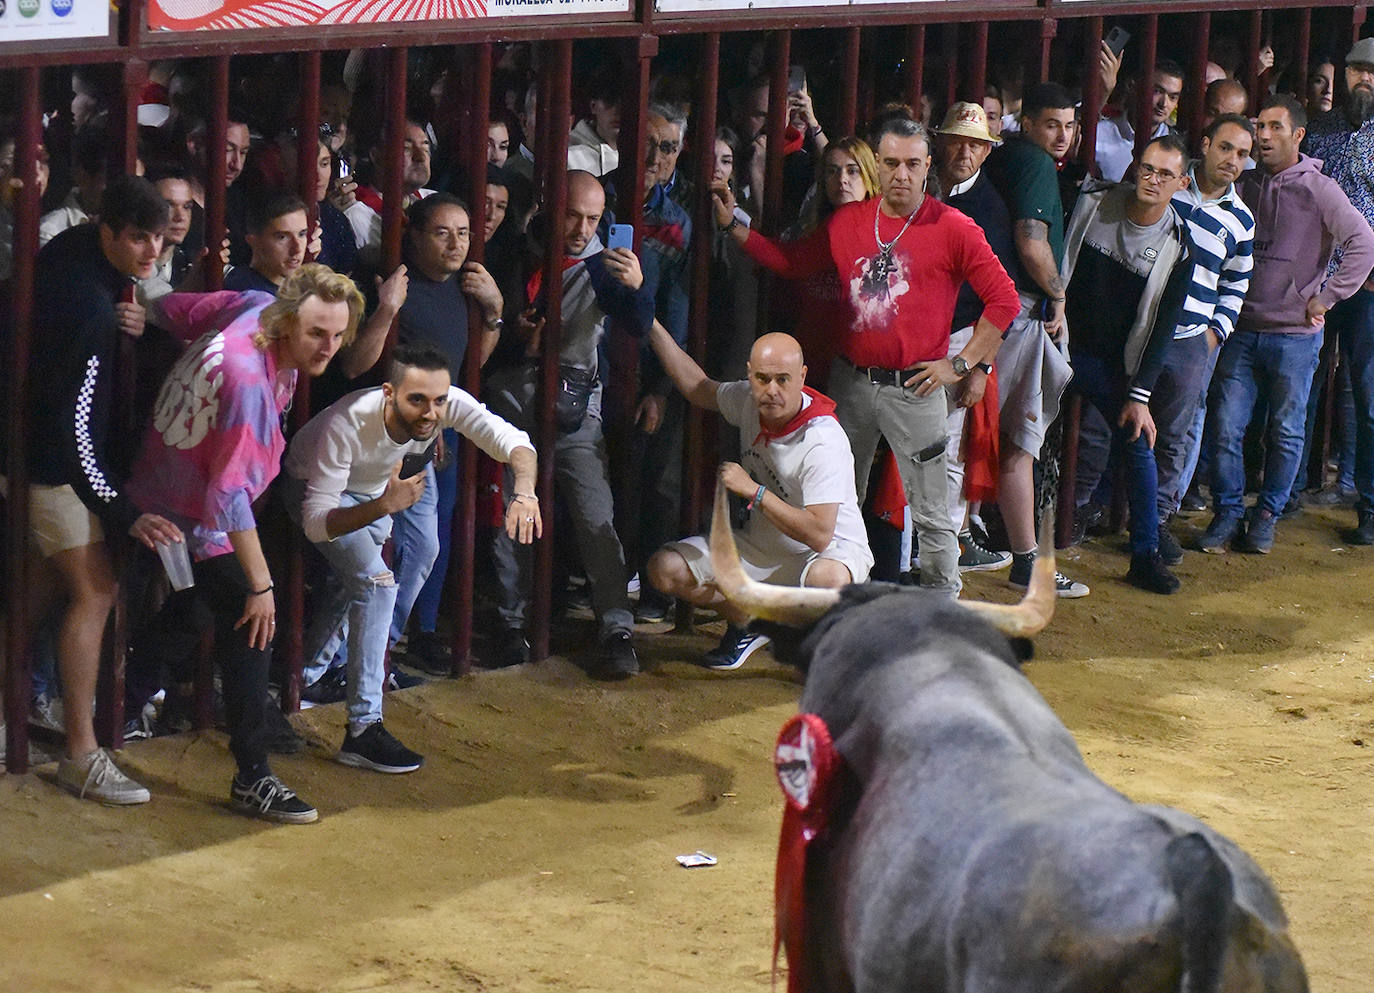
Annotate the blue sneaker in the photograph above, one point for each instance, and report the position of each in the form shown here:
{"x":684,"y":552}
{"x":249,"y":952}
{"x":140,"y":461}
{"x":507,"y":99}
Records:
{"x":1219,"y":534}
{"x":1259,"y":533}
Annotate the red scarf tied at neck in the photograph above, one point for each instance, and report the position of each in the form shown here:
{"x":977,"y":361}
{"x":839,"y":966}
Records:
{"x":820,"y":406}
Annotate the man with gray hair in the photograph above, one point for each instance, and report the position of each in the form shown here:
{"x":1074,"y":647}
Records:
{"x":901,"y":258}
{"x":1343,"y":139}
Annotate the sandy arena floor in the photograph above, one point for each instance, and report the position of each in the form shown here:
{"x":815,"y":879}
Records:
{"x":535,"y":849}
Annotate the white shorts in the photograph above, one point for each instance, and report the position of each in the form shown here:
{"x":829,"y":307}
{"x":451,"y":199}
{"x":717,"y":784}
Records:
{"x":58,"y":520}
{"x":792,"y":572}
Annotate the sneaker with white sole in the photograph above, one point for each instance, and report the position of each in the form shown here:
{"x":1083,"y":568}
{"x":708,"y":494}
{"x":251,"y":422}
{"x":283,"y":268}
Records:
{"x":46,"y":712}
{"x":377,"y":749}
{"x":270,"y":799}
{"x":736,"y":645}
{"x":1064,"y":587}
{"x":96,"y":777}
{"x":973,"y":557}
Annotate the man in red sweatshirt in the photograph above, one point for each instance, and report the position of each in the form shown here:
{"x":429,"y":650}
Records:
{"x":901,"y":258}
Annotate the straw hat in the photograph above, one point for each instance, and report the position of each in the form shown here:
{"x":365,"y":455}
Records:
{"x":967,"y":120}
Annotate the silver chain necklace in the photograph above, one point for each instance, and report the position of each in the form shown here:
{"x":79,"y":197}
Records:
{"x":881,"y":266}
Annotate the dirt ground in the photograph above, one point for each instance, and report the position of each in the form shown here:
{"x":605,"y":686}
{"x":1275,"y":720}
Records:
{"x":534,"y":851}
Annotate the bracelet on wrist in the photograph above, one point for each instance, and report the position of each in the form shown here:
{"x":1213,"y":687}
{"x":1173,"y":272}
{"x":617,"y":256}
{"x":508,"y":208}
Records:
{"x":527,"y":496}
{"x":268,"y":589}
{"x":758,"y":498}
{"x":734,"y":223}
{"x":985,"y":366}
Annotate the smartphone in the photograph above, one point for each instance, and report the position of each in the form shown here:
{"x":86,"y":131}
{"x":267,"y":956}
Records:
{"x":796,"y":79}
{"x":1116,"y":39}
{"x":413,"y":463}
{"x":621,"y":236}
{"x":343,"y":167}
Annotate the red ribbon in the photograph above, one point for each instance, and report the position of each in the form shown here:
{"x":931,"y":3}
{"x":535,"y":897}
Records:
{"x":808,"y":769}
{"x":820,"y":406}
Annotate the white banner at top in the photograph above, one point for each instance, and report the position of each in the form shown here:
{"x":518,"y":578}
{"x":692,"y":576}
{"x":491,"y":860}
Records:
{"x":35,"y":20}
{"x":202,"y":15}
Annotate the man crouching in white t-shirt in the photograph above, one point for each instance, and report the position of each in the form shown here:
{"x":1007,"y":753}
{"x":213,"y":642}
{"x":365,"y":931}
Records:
{"x":796,"y":475}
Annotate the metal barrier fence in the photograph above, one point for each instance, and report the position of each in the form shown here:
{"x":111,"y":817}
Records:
{"x":866,"y":51}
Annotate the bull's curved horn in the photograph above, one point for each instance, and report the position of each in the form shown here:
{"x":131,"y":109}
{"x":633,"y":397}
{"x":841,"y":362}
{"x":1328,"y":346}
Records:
{"x":1030,"y":616}
{"x":790,"y":605}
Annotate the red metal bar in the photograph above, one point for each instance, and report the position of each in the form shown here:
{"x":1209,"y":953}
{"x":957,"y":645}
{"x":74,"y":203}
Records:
{"x":1092,"y":105}
{"x":18,"y":633}
{"x":462,"y":548}
{"x":1195,"y":91}
{"x":216,"y":171}
{"x":1049,"y":27}
{"x":977,"y":78}
{"x":133,"y":78}
{"x":951,"y":43}
{"x":849,"y":81}
{"x":552,"y":156}
{"x":307,"y":154}
{"x":1144,"y":89}
{"x":781,"y":56}
{"x":703,"y":238}
{"x":1252,"y":70}
{"x":1357,"y":19}
{"x":1304,"y":50}
{"x":393,"y":191}
{"x":915,"y":65}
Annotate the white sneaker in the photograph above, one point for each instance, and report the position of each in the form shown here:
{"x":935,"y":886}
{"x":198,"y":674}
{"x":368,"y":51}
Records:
{"x":96,"y":776}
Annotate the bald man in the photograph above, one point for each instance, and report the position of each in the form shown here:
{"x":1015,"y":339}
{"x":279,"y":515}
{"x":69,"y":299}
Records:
{"x":1223,"y":96}
{"x":795,"y":474}
{"x":599,"y":286}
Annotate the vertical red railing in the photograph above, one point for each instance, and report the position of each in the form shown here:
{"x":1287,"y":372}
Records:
{"x":976,"y":78}
{"x":849,"y":81}
{"x":18,"y":633}
{"x":780,"y":62}
{"x":950,"y":34}
{"x":1049,"y":27}
{"x":1145,"y":87}
{"x":1195,"y":94}
{"x":552,"y":158}
{"x":216,"y":171}
{"x":915,"y":65}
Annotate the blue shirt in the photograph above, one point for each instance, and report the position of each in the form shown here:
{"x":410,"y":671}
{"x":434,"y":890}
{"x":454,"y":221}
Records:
{"x":1347,"y":155}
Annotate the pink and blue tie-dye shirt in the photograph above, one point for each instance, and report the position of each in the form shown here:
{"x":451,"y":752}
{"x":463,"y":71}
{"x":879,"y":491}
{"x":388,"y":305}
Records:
{"x":215,"y":441}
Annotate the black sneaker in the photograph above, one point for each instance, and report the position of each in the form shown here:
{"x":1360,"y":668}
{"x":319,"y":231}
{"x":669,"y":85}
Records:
{"x":618,"y":659}
{"x":1170,"y":551}
{"x":1364,"y":531}
{"x":1259,"y":532}
{"x":427,"y":652}
{"x":652,"y":609}
{"x":272,"y":800}
{"x":1192,"y":503}
{"x":1292,"y":508}
{"x":332,"y":687}
{"x":1064,"y":587}
{"x":377,"y":749}
{"x":975,"y":557}
{"x":279,"y":737}
{"x":1150,"y":573}
{"x":1220,"y":533}
{"x":512,"y":649}
{"x":736,"y":645}
{"x":398,"y":680}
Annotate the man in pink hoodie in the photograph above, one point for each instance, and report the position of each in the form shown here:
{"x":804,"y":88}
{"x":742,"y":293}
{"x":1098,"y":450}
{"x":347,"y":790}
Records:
{"x":1312,"y":250}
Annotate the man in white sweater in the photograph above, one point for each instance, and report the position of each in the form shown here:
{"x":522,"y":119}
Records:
{"x":347,"y":472}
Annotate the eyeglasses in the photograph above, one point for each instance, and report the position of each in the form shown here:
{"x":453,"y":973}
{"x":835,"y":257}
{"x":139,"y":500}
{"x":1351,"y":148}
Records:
{"x":664,"y":147}
{"x":1148,"y":171}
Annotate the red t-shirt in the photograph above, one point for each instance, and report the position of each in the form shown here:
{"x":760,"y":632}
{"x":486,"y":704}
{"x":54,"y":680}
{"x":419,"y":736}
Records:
{"x":896,"y":322}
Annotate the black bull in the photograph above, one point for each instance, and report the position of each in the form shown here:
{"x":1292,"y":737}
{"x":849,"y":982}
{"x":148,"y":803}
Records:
{"x":973,"y":851}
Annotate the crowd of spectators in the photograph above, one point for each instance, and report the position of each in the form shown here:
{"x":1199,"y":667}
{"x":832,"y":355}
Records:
{"x":941,"y":284}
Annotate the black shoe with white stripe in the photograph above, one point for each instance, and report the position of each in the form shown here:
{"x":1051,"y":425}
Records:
{"x":735,"y":647}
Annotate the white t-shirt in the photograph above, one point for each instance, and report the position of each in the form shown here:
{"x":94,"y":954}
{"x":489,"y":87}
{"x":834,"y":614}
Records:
{"x":1116,"y":146}
{"x":346,"y":448}
{"x":812,"y":465}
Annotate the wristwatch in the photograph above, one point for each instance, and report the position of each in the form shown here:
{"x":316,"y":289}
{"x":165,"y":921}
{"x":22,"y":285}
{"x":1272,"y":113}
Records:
{"x":961,"y":366}
{"x":985,"y":366}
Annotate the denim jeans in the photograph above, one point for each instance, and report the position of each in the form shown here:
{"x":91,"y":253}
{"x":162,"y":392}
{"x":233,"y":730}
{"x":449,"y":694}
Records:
{"x":1104,"y":385}
{"x":1174,"y":404}
{"x":1277,"y":368}
{"x":427,"y":602}
{"x":360,"y":601}
{"x":1353,"y":321}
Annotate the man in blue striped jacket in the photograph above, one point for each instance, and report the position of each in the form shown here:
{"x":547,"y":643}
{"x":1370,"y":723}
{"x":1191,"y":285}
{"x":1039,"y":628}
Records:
{"x":1221,"y":235}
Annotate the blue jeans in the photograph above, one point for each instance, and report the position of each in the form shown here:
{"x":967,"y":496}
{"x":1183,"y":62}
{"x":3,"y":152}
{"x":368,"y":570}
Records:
{"x":362,"y":597}
{"x":1278,"y":368}
{"x":426,"y":607}
{"x":1353,"y":322}
{"x":1104,"y":385}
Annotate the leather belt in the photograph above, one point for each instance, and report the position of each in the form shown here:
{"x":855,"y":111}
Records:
{"x":879,"y":376}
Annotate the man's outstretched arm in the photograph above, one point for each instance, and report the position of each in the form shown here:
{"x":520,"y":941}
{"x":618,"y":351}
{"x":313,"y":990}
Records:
{"x":691,"y":381}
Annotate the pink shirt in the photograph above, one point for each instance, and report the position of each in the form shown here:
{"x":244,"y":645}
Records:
{"x":215,"y":441}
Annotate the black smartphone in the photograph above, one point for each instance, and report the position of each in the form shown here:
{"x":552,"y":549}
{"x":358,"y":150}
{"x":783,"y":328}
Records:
{"x":1116,"y":39}
{"x":796,"y":79}
{"x":413,"y":463}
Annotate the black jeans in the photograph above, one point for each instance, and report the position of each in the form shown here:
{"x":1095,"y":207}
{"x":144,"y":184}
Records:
{"x":171,"y":638}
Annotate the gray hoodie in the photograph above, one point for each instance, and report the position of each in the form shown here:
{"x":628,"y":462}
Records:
{"x":1302,"y":219}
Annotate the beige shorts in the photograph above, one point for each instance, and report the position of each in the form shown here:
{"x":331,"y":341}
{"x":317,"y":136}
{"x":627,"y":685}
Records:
{"x":58,"y":520}
{"x":792,"y":572}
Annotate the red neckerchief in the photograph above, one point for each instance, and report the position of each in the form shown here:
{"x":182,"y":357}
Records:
{"x":809,"y":770}
{"x":792,"y":140}
{"x":820,"y":406}
{"x":536,"y":282}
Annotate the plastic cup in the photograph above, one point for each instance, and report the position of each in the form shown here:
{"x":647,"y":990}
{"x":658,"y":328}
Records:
{"x":176,"y":559}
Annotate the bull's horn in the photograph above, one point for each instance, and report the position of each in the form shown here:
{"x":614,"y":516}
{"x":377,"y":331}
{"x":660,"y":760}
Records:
{"x":790,"y":605}
{"x":1030,"y":616}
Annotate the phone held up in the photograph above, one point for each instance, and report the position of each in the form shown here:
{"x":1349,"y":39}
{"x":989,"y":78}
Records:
{"x":796,"y":79}
{"x":621,"y":236}
{"x":1116,"y":39}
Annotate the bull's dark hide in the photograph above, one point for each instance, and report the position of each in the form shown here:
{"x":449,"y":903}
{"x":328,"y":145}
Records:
{"x":978,"y":854}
